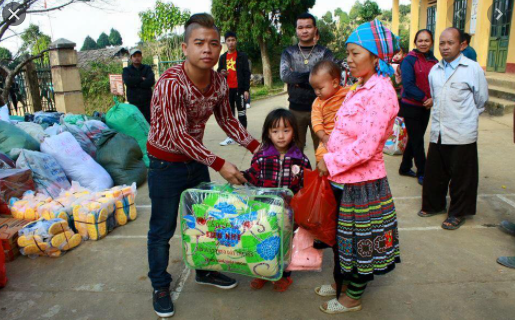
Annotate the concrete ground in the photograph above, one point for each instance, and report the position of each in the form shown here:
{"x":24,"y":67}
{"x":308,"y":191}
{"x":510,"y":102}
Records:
{"x":444,"y":274}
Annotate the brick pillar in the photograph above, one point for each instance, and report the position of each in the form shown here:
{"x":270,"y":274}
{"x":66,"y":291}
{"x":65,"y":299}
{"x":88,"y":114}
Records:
{"x":66,"y":77}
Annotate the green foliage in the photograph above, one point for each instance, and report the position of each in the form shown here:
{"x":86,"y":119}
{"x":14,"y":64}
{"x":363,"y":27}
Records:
{"x":262,"y":22}
{"x":369,"y":11}
{"x":5,"y":56}
{"x":89,"y":44}
{"x":162,"y":20}
{"x":115,"y":38}
{"x":34,"y":41}
{"x":96,"y":87}
{"x":103,"y":41}
{"x":327,"y":29}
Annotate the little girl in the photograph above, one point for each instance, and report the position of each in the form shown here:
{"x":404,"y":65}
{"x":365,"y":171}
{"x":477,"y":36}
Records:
{"x":279,"y":163}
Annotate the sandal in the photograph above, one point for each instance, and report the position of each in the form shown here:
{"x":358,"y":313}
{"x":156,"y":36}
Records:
{"x":325,"y":290}
{"x":283,"y":284}
{"x":334,"y":307}
{"x":427,"y":214}
{"x":452,"y":223}
{"x":257,"y":283}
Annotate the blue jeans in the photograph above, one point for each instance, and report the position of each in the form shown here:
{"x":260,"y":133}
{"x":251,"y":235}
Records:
{"x":166,"y":182}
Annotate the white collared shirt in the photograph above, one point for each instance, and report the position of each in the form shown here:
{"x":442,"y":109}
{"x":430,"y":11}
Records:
{"x":458,"y":100}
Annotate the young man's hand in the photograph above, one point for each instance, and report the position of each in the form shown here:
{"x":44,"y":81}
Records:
{"x":230,"y":173}
{"x":246,"y":95}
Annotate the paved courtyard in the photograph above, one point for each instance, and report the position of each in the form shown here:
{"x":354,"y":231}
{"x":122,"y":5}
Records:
{"x":444,"y":275}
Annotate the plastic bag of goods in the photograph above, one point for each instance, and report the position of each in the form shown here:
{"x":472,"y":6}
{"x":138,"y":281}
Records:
{"x":26,"y":208}
{"x":48,"y":175}
{"x":33,"y":129}
{"x":396,"y":143}
{"x":94,"y":216}
{"x":47,"y":118}
{"x":94,"y":129}
{"x":127,"y":119}
{"x":62,"y":206}
{"x":246,"y":231}
{"x":47,"y":238}
{"x":77,"y":164}
{"x":304,"y":256}
{"x":13,"y":184}
{"x":85,"y":143}
{"x":125,"y":207}
{"x":121,"y":156}
{"x":71,"y":118}
{"x":4,"y":113}
{"x":13,"y":139}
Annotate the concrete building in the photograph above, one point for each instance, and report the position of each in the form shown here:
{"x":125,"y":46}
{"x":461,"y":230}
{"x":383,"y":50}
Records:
{"x":491,"y":24}
{"x":488,"y":21}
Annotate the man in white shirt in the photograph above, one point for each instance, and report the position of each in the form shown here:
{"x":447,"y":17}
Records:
{"x":460,"y":91}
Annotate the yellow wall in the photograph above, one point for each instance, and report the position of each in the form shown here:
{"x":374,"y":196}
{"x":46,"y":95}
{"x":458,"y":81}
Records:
{"x":511,"y":48}
{"x":415,"y":21}
{"x":482,"y":36}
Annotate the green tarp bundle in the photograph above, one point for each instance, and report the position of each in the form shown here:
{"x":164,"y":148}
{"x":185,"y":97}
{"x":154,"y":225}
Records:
{"x":127,"y":119}
{"x":13,"y":139}
{"x":121,"y":156}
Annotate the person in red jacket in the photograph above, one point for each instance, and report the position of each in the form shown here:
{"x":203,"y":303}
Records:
{"x":184,"y":98}
{"x":416,"y":102}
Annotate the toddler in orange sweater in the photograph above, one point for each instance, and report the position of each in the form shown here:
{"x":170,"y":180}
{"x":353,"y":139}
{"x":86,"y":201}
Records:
{"x":325,"y":79}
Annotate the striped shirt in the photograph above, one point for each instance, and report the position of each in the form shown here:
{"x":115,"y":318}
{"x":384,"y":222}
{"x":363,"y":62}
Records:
{"x":179,"y":114}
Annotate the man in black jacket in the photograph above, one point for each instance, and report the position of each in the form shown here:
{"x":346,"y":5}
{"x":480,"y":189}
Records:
{"x":296,"y":64}
{"x":234,"y":65}
{"x":139,"y":79}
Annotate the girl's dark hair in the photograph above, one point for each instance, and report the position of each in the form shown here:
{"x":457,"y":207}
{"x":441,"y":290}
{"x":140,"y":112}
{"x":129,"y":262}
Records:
{"x":272,"y":121}
{"x":424,"y":30}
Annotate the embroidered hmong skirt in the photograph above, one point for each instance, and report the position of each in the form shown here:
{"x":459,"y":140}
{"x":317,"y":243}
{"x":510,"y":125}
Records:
{"x":367,"y":234}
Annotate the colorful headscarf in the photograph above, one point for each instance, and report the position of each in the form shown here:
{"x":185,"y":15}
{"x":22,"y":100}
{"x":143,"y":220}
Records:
{"x":380,"y":41}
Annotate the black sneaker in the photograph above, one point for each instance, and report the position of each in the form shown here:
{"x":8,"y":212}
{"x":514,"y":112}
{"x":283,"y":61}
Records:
{"x":216,"y":279}
{"x":409,"y":173}
{"x":163,"y":305}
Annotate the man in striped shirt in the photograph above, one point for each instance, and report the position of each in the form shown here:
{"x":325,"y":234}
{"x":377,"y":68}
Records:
{"x":184,"y":98}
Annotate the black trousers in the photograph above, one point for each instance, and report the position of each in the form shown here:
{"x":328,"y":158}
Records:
{"x":416,"y":120}
{"x":453,"y":169}
{"x":237,"y":102}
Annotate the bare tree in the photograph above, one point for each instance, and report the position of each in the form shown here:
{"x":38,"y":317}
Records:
{"x":27,"y":7}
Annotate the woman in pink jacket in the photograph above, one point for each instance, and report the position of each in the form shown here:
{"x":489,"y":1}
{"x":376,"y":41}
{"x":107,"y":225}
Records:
{"x":367,"y":234}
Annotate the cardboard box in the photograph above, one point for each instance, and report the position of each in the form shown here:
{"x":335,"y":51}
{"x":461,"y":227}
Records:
{"x":9,"y":228}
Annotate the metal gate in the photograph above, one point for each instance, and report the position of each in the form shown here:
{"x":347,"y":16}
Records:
{"x":46,"y":87}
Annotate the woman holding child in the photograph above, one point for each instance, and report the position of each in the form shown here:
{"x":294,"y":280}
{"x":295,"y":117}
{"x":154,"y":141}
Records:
{"x":367,"y":234}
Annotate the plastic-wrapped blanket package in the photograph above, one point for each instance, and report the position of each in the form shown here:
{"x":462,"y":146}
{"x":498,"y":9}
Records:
{"x":47,"y":238}
{"x":77,"y":164}
{"x":304,"y":256}
{"x":48,"y":175}
{"x":245,"y":231}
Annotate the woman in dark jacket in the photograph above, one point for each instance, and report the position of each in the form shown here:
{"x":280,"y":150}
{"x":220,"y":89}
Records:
{"x":416,"y":102}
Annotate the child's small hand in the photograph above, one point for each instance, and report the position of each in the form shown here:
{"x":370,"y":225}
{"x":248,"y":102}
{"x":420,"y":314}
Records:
{"x":325,"y":139}
{"x":322,"y":168}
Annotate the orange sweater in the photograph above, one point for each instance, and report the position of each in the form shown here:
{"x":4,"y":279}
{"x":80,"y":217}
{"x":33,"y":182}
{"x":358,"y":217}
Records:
{"x":323,"y":113}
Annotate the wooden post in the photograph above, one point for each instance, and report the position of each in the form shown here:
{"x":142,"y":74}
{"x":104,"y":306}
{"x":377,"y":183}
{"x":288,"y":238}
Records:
{"x":32,"y":82}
